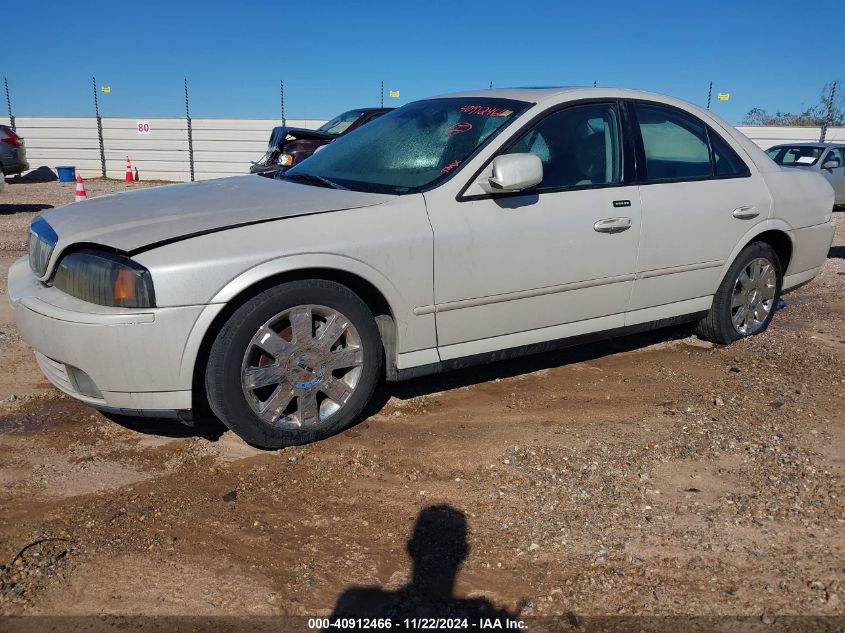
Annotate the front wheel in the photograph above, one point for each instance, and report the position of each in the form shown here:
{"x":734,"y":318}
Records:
{"x":747,"y":298}
{"x":295,"y":364}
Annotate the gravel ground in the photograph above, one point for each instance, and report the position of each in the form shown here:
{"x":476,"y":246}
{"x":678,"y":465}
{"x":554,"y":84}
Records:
{"x":649,"y":475}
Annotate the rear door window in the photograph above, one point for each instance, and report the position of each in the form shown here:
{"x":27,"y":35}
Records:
{"x":675,"y":144}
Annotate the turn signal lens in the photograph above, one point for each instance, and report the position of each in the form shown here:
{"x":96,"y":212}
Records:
{"x":124,"y":287}
{"x":286,"y":160}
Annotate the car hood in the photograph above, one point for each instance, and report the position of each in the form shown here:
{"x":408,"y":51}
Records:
{"x":134,"y":220}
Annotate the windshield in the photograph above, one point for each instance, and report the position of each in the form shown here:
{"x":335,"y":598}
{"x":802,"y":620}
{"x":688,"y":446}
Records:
{"x":411,"y":148}
{"x":341,"y":123}
{"x":797,"y":155}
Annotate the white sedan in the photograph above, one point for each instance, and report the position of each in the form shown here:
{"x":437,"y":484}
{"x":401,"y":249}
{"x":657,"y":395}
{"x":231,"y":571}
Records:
{"x":455,"y":230}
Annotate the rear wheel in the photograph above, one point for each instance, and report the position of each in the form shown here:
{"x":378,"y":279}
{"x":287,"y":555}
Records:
{"x":746,"y":300}
{"x":295,"y":364}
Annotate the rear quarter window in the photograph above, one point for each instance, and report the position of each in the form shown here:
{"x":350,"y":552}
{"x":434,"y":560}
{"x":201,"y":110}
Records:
{"x":726,"y":160}
{"x":675,"y":145}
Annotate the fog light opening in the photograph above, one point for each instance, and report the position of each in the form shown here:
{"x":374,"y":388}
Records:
{"x":83,"y":383}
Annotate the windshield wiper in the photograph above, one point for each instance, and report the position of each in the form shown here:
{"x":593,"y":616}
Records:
{"x":314,"y":180}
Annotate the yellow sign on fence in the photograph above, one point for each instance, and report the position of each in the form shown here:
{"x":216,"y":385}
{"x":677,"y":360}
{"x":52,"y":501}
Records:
{"x":394,"y":93}
{"x":723,"y":96}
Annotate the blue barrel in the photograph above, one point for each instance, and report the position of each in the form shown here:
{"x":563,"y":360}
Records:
{"x":66,"y":173}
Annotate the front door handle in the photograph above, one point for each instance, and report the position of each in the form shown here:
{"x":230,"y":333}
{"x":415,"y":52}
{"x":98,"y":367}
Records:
{"x":612,"y":225}
{"x":746,"y":213}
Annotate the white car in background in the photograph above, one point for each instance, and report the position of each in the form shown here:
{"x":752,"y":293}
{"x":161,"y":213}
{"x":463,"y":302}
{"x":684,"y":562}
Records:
{"x":455,"y":230}
{"x":827,"y":159}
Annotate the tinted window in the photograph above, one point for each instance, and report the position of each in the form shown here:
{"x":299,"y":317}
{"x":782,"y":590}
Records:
{"x":727,"y":161}
{"x":675,"y":144}
{"x":579,"y":146}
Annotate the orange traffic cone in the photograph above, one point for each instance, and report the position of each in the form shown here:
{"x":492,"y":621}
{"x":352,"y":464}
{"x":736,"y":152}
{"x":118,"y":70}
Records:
{"x":80,"y":189}
{"x":128,"y":177}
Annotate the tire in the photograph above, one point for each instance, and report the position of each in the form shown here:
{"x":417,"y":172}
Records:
{"x":275,"y":376}
{"x":745,"y":287}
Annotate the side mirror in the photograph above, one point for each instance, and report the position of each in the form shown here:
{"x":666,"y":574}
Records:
{"x":514,"y":172}
{"x":831,"y":164}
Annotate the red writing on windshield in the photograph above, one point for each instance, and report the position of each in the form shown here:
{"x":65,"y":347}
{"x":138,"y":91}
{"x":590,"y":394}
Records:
{"x":454,"y":164}
{"x":459,"y":128}
{"x":482,"y":110}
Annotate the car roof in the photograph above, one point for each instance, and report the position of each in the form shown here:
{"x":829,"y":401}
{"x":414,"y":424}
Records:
{"x":542,"y":93}
{"x":543,"y":96}
{"x":808,"y":145}
{"x":539,"y":95}
{"x":518,"y":94}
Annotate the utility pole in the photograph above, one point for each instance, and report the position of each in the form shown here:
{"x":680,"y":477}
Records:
{"x":99,"y":128}
{"x":491,"y":85}
{"x":829,"y":118}
{"x":709,"y":94}
{"x":382,"y":93}
{"x":9,"y":105}
{"x":190,"y":132}
{"x":282,"y":100}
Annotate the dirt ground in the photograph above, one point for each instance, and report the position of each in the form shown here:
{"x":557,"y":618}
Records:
{"x":651,"y":474}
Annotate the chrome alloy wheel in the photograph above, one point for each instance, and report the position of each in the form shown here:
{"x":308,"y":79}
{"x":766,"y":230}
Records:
{"x":302,"y":366}
{"x":753,"y":296}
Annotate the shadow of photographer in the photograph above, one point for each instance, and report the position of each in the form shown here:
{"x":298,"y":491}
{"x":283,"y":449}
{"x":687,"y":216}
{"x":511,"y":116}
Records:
{"x":438,"y":548}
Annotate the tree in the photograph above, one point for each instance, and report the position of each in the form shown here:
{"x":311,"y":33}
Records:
{"x":811,"y":117}
{"x":836,"y":113}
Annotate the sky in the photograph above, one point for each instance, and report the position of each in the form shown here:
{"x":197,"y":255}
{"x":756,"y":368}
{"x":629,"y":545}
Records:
{"x":332,"y":55}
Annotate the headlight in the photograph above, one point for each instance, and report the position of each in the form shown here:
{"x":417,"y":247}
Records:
{"x":286,"y":160}
{"x":105,"y":279}
{"x":42,"y":240}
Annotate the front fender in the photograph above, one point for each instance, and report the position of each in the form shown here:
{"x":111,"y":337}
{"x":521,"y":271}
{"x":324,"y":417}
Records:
{"x":303,"y":261}
{"x":406,"y":336}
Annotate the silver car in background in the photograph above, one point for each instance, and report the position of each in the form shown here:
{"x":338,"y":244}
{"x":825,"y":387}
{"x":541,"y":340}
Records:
{"x":828,"y":159}
{"x":453,"y":231}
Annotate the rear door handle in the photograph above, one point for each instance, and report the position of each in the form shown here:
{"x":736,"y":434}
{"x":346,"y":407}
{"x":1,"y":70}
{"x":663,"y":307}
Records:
{"x":746,"y":213}
{"x":612,"y":225}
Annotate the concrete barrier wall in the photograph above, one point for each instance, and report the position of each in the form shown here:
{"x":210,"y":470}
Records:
{"x":222,"y":147}
{"x":767,"y":136}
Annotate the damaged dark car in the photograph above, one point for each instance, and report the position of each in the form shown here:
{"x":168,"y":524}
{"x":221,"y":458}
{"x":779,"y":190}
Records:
{"x":289,"y":146}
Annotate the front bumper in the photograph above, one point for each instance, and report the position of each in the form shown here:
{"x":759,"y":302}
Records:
{"x":135,"y":357}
